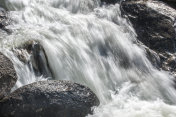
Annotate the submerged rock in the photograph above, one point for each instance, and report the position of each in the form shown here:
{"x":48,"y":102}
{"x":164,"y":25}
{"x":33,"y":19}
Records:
{"x":33,"y":54}
{"x":49,"y":99}
{"x":153,"y":22}
{"x":8,"y":76}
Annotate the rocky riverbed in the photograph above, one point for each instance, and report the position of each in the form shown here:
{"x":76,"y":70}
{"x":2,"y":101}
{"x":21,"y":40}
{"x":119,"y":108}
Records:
{"x":154,"y":22}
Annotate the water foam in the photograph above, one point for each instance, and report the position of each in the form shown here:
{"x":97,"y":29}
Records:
{"x":94,"y":46}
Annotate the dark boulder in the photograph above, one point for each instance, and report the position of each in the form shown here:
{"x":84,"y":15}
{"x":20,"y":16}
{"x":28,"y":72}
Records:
{"x":171,"y":3}
{"x":49,"y":99}
{"x":8,"y":76}
{"x":109,"y":1}
{"x":153,"y":22}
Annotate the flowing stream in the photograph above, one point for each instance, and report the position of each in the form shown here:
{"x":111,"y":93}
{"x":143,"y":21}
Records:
{"x":90,"y":43}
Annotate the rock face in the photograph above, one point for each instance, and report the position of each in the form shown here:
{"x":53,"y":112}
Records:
{"x":49,"y":99}
{"x":8,"y":76}
{"x":155,"y":25}
{"x":153,"y":22}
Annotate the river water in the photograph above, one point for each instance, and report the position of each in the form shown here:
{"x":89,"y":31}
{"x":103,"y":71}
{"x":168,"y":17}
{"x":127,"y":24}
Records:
{"x":90,"y":43}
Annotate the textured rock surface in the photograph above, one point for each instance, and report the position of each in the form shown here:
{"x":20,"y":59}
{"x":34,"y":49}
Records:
{"x":8,"y":76}
{"x":49,"y":99}
{"x":153,"y":22}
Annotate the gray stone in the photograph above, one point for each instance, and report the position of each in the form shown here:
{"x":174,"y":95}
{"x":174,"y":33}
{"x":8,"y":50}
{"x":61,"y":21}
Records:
{"x":8,"y":76}
{"x":49,"y":99}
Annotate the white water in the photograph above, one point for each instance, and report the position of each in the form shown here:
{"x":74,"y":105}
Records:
{"x":94,"y":46}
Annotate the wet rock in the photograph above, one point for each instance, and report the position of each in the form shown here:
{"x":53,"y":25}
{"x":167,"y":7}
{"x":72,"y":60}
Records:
{"x":8,"y":76}
{"x":171,"y":3}
{"x":109,"y":1}
{"x":153,"y":22}
{"x":165,"y":61}
{"x":22,"y":54}
{"x":169,"y":64}
{"x":153,"y":57}
{"x":33,"y":54}
{"x":4,"y":20}
{"x":49,"y":99}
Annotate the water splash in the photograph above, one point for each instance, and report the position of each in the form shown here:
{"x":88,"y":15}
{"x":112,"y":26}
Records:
{"x":94,"y":46}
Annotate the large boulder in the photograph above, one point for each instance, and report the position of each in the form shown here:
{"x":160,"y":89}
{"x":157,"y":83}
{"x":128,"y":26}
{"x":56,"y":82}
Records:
{"x":8,"y":76}
{"x":153,"y":22}
{"x":49,"y":99}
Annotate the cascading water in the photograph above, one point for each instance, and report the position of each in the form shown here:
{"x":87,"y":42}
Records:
{"x":94,"y":46}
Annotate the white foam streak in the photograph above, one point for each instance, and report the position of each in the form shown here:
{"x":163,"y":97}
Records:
{"x":94,"y":46}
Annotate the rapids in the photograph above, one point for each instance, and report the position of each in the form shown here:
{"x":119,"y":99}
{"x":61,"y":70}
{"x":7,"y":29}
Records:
{"x":90,"y":43}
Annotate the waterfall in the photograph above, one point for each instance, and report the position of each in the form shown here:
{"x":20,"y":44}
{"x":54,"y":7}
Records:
{"x":91,"y":44}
